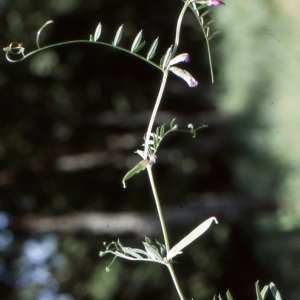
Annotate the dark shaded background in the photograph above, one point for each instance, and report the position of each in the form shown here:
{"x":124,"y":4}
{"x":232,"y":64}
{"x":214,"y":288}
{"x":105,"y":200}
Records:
{"x":71,"y":119}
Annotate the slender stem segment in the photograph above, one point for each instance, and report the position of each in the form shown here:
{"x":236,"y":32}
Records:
{"x":201,"y":23}
{"x":154,"y":112}
{"x":164,"y":230}
{"x":162,"y":87}
{"x":149,"y":168}
{"x":178,"y":27}
{"x":175,"y":281}
{"x":159,"y":210}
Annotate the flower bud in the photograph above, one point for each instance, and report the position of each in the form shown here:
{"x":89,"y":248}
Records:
{"x":179,"y":58}
{"x":211,"y":2}
{"x":185,"y":75}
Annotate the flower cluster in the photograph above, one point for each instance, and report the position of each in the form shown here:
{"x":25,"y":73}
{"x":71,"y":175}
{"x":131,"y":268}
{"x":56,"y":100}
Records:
{"x":185,"y":75}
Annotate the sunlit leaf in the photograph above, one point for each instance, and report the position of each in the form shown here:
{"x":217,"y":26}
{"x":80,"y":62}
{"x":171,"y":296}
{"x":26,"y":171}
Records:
{"x":167,"y":58}
{"x":136,"y":169}
{"x":162,"y":248}
{"x":152,"y":49}
{"x":152,"y":250}
{"x":275,"y":292}
{"x":162,"y":131}
{"x":140,"y":153}
{"x":264,"y":291}
{"x":97,"y":32}
{"x":199,"y":230}
{"x":229,"y":297}
{"x":140,"y":46}
{"x":162,"y":60}
{"x":136,"y":41}
{"x":118,"y":36}
{"x":132,"y":253}
{"x":258,"y":294}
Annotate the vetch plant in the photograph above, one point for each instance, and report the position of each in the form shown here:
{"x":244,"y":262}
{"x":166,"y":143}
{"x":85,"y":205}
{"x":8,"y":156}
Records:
{"x":154,"y":251}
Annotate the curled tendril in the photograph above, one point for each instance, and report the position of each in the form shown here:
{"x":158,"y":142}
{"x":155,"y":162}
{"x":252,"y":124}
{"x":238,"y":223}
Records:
{"x":40,"y":31}
{"x":14,"y":49}
{"x":193,"y":131}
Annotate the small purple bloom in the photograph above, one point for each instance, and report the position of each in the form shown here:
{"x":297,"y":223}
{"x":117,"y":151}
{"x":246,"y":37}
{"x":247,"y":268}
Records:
{"x":152,"y":159}
{"x":192,"y":82}
{"x":179,"y":58}
{"x":211,"y":2}
{"x":185,"y":75}
{"x":215,"y":3}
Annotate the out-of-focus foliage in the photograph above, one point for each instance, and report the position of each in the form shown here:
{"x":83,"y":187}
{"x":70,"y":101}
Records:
{"x":260,"y":294}
{"x":260,"y":71}
{"x":72,"y":117}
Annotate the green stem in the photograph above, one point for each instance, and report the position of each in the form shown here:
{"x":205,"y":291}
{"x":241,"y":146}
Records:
{"x":163,"y":84}
{"x":210,"y":59}
{"x":200,"y":21}
{"x":162,"y":87}
{"x":208,"y":50}
{"x":149,"y":167}
{"x":159,"y":210}
{"x":154,"y":112}
{"x":178,"y":27}
{"x":175,"y":281}
{"x":164,"y":230}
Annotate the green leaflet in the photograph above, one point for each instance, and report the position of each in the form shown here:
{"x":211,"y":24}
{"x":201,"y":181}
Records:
{"x":118,"y":36}
{"x":97,"y":32}
{"x":229,"y":297}
{"x":275,"y":292}
{"x":199,"y":230}
{"x":136,"y":169}
{"x":152,"y":50}
{"x":136,"y":42}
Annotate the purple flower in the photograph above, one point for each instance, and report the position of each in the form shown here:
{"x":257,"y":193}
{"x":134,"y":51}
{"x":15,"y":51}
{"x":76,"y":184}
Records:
{"x":152,"y":159}
{"x":185,"y":75}
{"x":179,"y":58}
{"x":192,"y":82}
{"x":211,"y":2}
{"x":215,"y":3}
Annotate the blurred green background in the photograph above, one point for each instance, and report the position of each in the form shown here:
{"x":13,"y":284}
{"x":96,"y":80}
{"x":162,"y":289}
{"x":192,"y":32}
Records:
{"x":72,"y":117}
